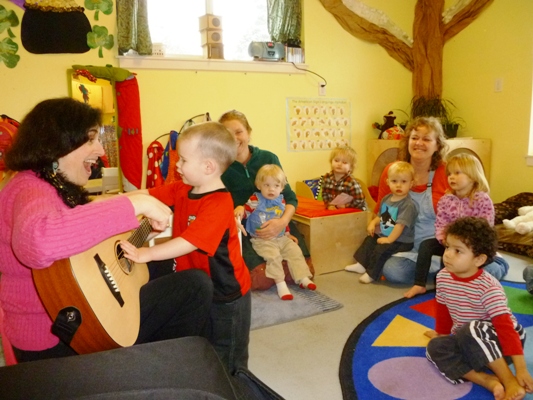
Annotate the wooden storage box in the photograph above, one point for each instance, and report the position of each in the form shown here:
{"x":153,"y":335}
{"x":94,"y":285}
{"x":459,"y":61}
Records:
{"x":332,"y":240}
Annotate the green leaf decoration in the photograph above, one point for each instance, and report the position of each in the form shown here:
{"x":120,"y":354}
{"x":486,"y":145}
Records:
{"x":8,"y":50}
{"x":106,"y":6}
{"x":99,"y":38}
{"x":8,"y":19}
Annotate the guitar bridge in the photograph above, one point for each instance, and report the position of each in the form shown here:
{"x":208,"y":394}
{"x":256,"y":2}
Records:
{"x":109,"y":280}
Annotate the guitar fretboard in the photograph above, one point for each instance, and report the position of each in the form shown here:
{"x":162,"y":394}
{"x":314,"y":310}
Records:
{"x":139,"y":236}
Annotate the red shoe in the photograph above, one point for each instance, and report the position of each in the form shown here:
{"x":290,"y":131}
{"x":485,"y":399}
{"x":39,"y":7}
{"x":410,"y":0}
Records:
{"x":287,"y":297}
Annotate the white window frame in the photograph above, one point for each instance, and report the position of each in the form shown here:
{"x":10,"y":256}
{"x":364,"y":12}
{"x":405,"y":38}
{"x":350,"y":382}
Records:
{"x":205,"y":64}
{"x":195,"y":64}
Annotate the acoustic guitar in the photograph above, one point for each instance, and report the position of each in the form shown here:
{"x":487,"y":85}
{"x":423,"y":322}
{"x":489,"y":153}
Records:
{"x":102,"y":287}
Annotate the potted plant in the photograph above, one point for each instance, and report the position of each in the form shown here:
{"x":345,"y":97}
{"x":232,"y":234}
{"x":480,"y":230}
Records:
{"x":442,"y":109}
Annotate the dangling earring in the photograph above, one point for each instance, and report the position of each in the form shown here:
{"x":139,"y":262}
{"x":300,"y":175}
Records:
{"x":55,"y":166}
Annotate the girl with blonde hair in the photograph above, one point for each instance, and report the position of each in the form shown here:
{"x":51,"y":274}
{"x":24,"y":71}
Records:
{"x":468,"y":196}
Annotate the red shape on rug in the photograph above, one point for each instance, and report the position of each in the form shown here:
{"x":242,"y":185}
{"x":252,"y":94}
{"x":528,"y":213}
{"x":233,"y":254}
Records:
{"x":426,"y":307}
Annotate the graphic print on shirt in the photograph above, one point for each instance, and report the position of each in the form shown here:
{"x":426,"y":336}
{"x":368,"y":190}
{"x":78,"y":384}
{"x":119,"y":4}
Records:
{"x":191,"y":218}
{"x":388,"y":217}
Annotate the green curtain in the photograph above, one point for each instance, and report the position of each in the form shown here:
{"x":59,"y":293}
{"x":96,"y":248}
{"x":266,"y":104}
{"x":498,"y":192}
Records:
{"x":132,"y":22}
{"x":285,"y":21}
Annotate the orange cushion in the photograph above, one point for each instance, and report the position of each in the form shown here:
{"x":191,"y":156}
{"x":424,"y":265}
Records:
{"x":312,"y":208}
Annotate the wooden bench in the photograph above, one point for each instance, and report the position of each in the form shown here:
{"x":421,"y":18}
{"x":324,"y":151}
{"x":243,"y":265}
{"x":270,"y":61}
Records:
{"x":333,"y":238}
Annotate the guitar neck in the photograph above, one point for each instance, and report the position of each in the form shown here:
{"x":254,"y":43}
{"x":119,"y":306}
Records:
{"x":141,"y":233}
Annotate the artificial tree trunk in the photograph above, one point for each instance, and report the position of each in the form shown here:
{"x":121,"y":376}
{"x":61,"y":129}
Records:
{"x":430,"y":33}
{"x":428,"y":46}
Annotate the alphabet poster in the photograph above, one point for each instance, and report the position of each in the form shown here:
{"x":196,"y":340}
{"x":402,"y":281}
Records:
{"x":318,"y":124}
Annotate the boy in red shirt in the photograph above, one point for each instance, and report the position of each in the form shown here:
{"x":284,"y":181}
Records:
{"x":205,"y":236}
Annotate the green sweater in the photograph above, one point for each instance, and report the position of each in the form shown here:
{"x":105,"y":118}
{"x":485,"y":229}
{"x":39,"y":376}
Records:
{"x":240,"y":179}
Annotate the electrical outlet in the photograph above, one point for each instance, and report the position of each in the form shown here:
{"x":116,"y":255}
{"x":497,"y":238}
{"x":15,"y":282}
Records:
{"x":321,"y":89}
{"x":498,"y":85}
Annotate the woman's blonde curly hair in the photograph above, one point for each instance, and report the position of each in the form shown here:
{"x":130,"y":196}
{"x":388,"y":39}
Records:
{"x":433,"y":125}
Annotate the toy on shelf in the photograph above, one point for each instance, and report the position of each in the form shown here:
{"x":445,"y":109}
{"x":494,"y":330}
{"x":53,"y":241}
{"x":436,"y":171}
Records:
{"x":389,"y":130}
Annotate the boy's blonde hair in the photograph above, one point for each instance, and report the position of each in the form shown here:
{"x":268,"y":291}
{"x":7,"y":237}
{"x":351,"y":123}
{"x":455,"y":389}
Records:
{"x":471,"y":167}
{"x":272,"y":171}
{"x":401,"y":167}
{"x":214,"y":141}
{"x":346,"y":153}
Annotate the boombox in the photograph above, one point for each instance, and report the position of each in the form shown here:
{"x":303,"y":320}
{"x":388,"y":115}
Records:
{"x":266,"y":51}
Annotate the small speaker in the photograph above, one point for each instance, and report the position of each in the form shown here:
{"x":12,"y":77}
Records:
{"x":211,"y":36}
{"x":210,"y":21}
{"x":214,"y":51}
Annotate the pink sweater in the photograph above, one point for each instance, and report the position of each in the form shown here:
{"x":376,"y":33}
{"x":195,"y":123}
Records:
{"x":36,"y":229}
{"x":451,"y":207}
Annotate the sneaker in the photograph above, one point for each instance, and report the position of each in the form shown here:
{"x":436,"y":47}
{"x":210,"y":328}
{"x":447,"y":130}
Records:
{"x":365,"y":278}
{"x":358,"y":268}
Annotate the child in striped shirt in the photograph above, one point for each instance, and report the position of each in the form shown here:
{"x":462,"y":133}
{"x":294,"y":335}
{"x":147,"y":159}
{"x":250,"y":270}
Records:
{"x":472,"y":306}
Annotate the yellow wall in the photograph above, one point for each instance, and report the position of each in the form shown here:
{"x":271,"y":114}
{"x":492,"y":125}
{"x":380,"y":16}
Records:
{"x":498,"y":44}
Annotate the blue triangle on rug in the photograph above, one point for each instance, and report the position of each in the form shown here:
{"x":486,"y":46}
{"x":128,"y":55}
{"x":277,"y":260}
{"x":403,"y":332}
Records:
{"x":384,"y":357}
{"x":268,"y":309}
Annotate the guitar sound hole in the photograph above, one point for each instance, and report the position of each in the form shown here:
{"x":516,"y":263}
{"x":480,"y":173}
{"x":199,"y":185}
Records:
{"x":125,"y":264}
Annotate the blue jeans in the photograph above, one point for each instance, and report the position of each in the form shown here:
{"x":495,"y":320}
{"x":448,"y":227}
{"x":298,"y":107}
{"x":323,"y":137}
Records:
{"x":401,"y":270}
{"x":229,"y":331}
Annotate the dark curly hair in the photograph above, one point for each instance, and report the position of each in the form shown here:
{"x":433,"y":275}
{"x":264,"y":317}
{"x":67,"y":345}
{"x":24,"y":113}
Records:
{"x":51,"y":130}
{"x":476,"y":234}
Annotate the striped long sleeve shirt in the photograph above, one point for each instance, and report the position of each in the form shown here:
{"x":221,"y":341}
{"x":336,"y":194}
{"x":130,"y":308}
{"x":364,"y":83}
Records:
{"x":479,"y":297}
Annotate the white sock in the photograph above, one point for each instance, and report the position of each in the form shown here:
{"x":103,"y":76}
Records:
{"x":365,"y":278}
{"x":307,"y":283}
{"x":283,"y":291}
{"x":355,"y":268}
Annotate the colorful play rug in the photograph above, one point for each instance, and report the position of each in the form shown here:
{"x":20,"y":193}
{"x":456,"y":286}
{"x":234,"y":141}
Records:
{"x":384,"y":358}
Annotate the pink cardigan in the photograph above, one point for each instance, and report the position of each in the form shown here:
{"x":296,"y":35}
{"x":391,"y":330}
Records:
{"x":451,"y":207}
{"x":36,"y":229}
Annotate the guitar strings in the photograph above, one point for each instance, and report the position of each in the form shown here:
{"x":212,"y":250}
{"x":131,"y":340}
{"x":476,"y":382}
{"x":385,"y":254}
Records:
{"x":137,"y":239}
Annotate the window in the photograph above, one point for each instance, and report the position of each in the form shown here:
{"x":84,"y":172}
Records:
{"x":176,"y":25}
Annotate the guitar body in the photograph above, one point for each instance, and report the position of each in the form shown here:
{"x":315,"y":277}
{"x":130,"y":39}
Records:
{"x":104,"y":287}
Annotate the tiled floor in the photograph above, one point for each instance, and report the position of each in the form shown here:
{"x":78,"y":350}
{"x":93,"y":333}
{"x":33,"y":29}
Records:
{"x":300,"y":359}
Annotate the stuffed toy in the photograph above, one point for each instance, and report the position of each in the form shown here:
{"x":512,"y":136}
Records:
{"x":522,"y":224}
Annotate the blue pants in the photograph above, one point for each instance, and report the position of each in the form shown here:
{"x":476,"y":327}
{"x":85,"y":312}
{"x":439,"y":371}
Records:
{"x":401,"y":270}
{"x":372,"y":255}
{"x":229,"y":331}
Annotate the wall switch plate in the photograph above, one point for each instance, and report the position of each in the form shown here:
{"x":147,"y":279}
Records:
{"x":321,"y":89}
